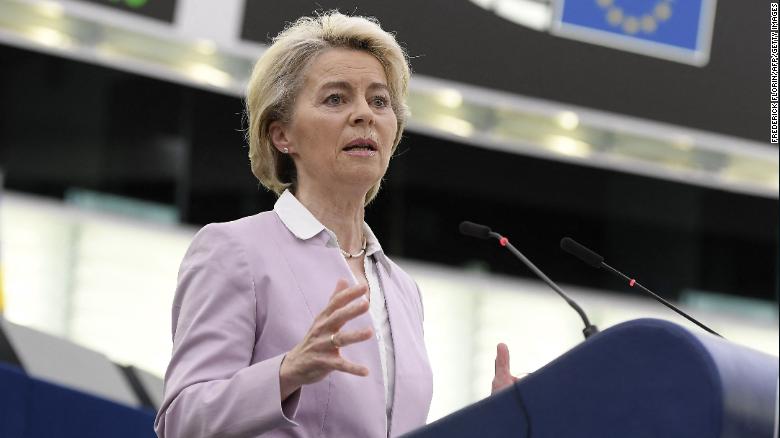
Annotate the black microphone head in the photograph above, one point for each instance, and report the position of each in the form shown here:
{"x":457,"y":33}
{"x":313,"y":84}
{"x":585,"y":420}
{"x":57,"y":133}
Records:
{"x":572,"y":247}
{"x":474,"y":230}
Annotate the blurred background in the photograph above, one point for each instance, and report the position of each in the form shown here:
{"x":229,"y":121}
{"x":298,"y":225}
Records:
{"x":637,"y":128}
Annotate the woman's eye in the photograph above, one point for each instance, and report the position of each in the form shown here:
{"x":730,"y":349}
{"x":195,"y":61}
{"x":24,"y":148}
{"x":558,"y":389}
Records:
{"x":381,"y":101}
{"x":333,"y":99}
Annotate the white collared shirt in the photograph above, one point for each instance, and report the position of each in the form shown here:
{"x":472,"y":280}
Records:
{"x":299,"y":220}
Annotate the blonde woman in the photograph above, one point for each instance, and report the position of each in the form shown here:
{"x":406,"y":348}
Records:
{"x":293,"y":322}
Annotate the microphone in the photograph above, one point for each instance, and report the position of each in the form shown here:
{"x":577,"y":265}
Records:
{"x":474,"y":230}
{"x":591,"y":258}
{"x":482,"y":232}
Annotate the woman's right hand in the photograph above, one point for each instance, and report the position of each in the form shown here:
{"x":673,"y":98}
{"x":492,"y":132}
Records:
{"x":316,"y":355}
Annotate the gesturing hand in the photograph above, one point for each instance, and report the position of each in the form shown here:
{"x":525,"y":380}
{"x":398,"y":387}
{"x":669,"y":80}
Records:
{"x":318,"y":354}
{"x":503,"y":378}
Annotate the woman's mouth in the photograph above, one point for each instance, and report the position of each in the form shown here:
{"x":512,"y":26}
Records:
{"x":361,"y":147}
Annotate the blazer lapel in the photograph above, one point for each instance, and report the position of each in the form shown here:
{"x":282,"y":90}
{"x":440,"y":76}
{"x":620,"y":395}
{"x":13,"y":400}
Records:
{"x":391,"y":293}
{"x":411,"y":363}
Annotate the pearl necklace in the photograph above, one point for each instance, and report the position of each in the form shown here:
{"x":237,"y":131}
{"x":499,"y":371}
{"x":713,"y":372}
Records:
{"x":350,"y":256}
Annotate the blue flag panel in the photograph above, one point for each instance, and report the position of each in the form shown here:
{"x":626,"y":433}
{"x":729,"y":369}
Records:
{"x":674,"y":29}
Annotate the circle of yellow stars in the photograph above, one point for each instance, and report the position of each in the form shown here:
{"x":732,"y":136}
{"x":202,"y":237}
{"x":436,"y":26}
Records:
{"x":633,"y":24}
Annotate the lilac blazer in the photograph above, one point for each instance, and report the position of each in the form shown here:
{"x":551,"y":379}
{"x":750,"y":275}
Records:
{"x":248,"y":292}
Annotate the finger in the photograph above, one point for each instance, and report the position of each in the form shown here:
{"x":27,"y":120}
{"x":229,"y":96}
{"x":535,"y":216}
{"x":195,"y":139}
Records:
{"x":353,"y":337}
{"x":344,"y":365}
{"x":502,"y":359}
{"x":341,"y":284}
{"x":343,"y":296}
{"x":340,"y":316}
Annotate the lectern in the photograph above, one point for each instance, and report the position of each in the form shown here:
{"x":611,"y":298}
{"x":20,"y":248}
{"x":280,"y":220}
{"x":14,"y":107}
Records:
{"x":642,"y":378}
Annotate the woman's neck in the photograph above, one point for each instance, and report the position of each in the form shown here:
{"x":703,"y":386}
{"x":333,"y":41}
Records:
{"x":339,"y":213}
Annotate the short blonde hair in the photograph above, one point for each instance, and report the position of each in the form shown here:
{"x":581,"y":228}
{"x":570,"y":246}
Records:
{"x":278,"y":77}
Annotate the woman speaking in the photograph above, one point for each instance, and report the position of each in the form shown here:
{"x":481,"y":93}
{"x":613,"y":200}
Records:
{"x":293,"y":322}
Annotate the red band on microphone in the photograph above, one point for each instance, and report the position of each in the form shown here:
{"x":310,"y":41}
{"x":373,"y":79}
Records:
{"x":503,"y":241}
{"x":632,"y":282}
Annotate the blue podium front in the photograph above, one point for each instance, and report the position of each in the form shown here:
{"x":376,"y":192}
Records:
{"x":643,"y":378}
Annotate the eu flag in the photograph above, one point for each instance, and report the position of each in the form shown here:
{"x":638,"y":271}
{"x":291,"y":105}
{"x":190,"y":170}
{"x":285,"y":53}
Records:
{"x":678,"y":30}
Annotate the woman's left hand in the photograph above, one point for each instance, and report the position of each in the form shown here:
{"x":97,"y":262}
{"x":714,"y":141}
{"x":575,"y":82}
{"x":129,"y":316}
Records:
{"x":503,"y":377}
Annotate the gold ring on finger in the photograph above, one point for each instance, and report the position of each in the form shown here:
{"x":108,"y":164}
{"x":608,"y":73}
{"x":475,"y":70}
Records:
{"x":333,"y":341}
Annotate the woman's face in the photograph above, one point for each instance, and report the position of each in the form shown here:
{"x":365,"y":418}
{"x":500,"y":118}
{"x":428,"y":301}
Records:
{"x":343,"y":124}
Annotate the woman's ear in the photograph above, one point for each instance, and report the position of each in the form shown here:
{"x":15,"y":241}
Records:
{"x":279,"y":136}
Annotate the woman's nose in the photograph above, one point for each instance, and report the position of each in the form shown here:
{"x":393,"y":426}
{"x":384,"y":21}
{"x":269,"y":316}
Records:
{"x":362,"y":113}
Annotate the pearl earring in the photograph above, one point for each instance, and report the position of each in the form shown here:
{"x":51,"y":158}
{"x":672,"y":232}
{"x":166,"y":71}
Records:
{"x":286,"y":151}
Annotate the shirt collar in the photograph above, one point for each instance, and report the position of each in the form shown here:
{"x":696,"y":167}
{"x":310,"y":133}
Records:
{"x":299,"y":220}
